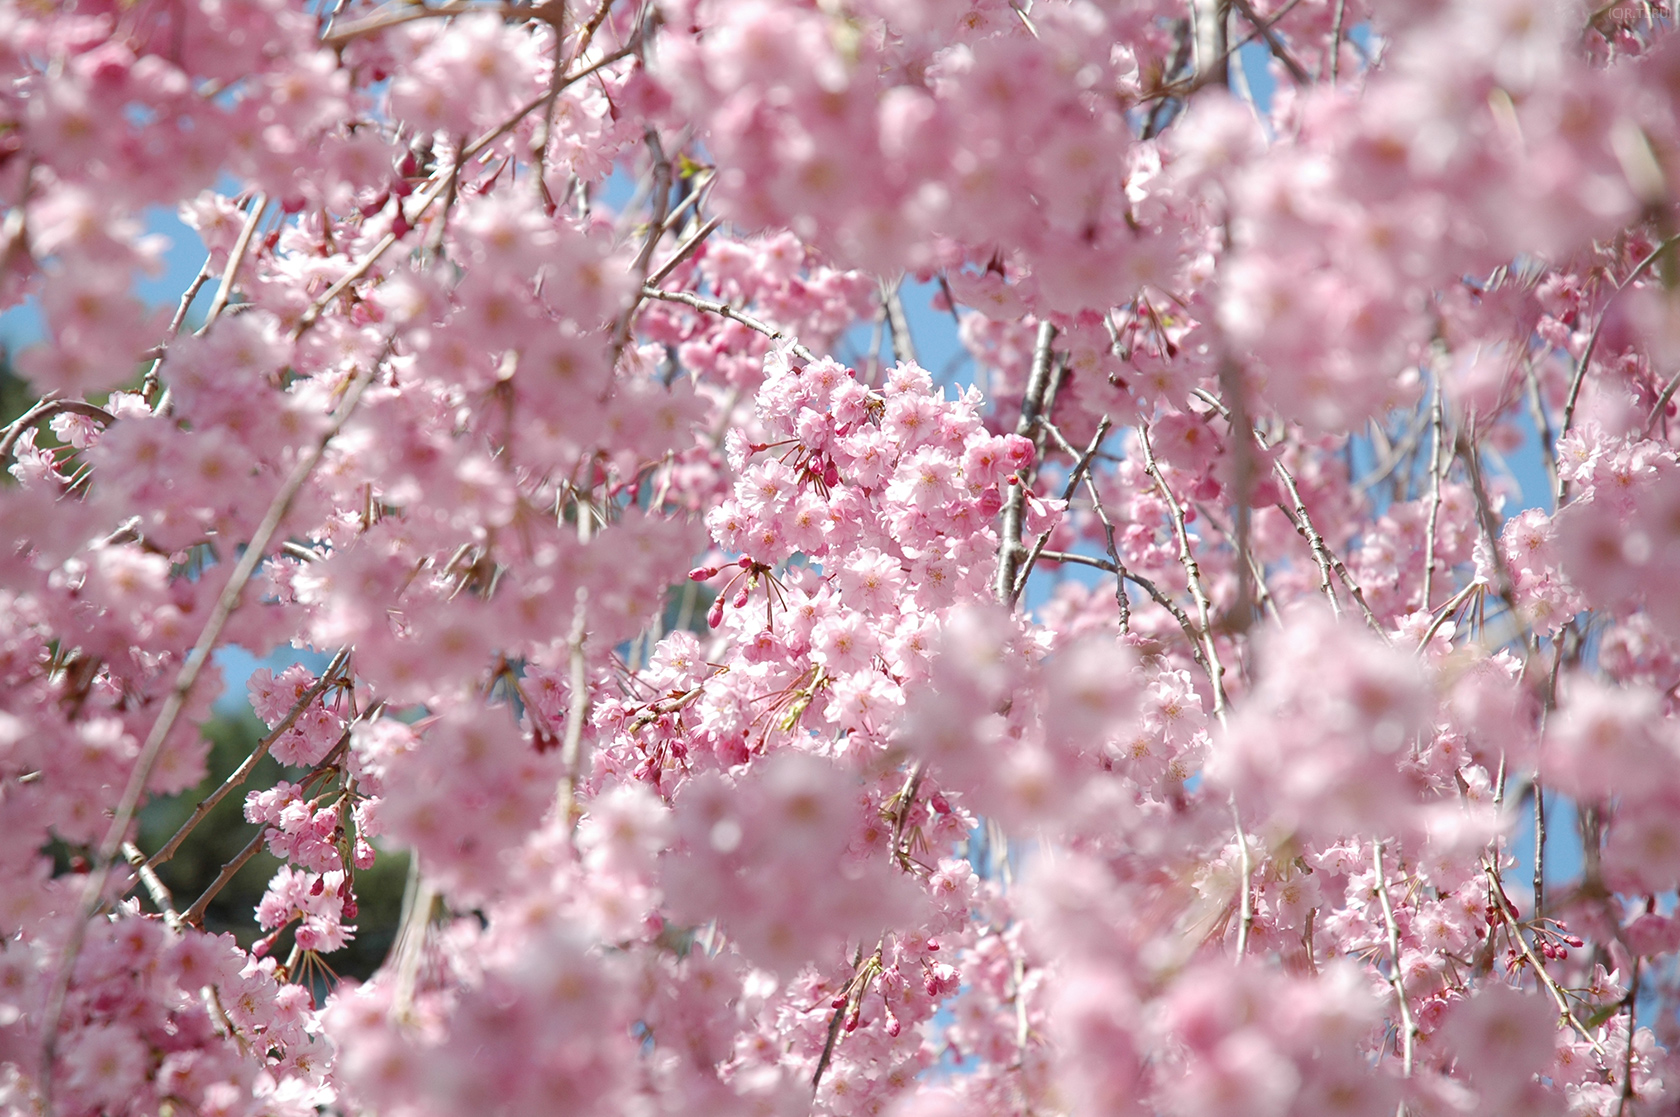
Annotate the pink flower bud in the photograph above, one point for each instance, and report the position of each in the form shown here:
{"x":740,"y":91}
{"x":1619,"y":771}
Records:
{"x":702,"y":573}
{"x":1018,"y":451}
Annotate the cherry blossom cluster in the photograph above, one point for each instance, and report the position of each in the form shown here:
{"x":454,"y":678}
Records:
{"x":1248,"y":686}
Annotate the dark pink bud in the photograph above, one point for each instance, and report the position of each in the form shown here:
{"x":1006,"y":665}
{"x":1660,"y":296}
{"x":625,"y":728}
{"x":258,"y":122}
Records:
{"x":714,"y":615}
{"x":702,"y":573}
{"x":315,"y":889}
{"x":1019,"y":451}
{"x":831,"y":475}
{"x":740,"y":598}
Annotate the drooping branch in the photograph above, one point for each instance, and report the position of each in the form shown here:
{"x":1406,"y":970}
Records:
{"x":724,"y":310}
{"x":1010,"y":551}
{"x":240,"y":774}
{"x":175,"y":703}
{"x":1193,"y":574}
{"x":1081,"y":466}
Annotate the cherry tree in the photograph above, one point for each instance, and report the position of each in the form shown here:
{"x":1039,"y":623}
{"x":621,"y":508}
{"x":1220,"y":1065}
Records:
{"x":1164,"y":719}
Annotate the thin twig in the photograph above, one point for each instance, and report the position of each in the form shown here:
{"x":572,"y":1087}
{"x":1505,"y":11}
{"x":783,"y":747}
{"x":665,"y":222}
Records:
{"x":1627,"y":1061}
{"x":1193,"y":573}
{"x":1273,"y":43}
{"x":194,"y":916}
{"x":577,"y":710}
{"x":1074,"y":478}
{"x":1212,"y":44}
{"x":230,"y":273}
{"x":545,"y":125}
{"x":1336,"y":42}
{"x":1576,"y":380}
{"x":439,"y":183}
{"x":1506,"y":584}
{"x":149,"y":381}
{"x":155,"y":888}
{"x":1447,"y":611}
{"x":1245,"y":863}
{"x":1407,"y":1026}
{"x":46,"y":409}
{"x":903,"y":346}
{"x":1514,"y":929}
{"x":1185,"y":87}
{"x":683,"y":252}
{"x":1242,"y":477}
{"x":1661,"y":406}
{"x":1322,"y":551}
{"x":906,"y":801}
{"x":724,"y":310}
{"x":1437,"y":424}
{"x":393,"y":15}
{"x":1297,"y":515}
{"x":1542,"y":425}
{"x":240,"y":774}
{"x":419,"y":897}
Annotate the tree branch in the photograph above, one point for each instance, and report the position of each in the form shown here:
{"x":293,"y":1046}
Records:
{"x":1010,"y":550}
{"x":255,"y":551}
{"x":240,"y":774}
